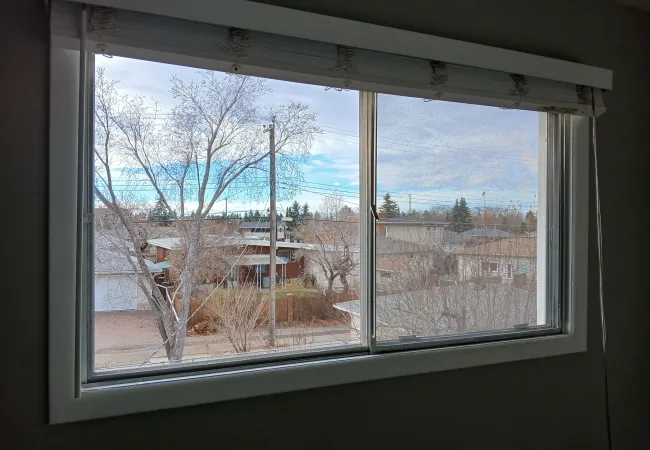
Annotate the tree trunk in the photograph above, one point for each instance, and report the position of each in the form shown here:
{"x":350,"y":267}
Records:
{"x":344,"y":282}
{"x":330,"y":284}
{"x":187,"y":278}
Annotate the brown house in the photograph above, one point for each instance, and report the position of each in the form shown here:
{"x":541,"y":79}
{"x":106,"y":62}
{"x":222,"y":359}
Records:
{"x":250,"y":256}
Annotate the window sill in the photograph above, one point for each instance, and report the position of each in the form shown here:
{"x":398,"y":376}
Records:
{"x":106,"y":399}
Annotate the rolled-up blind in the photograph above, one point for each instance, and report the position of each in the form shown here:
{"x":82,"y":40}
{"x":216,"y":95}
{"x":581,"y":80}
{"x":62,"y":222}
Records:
{"x":140,"y":35}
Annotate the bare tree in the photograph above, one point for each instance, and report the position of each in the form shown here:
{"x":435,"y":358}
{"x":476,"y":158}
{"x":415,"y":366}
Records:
{"x":331,"y":247}
{"x":331,"y":206}
{"x":451,"y":309}
{"x":238,"y":312}
{"x":416,"y":301}
{"x":211,"y":138}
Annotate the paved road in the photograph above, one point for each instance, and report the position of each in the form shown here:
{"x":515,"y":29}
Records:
{"x":128,"y":338}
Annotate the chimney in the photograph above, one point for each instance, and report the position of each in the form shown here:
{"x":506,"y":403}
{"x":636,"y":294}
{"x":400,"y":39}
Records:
{"x":381,"y":224}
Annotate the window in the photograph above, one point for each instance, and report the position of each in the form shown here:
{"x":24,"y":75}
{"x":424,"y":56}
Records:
{"x":288,"y":255}
{"x":489,"y":266}
{"x":477,"y":167}
{"x":164,"y":212}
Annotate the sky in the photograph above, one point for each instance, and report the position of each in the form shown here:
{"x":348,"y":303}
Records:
{"x":436,"y":151}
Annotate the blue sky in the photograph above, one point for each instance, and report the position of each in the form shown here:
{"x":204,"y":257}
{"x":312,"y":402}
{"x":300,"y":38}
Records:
{"x":436,"y":151}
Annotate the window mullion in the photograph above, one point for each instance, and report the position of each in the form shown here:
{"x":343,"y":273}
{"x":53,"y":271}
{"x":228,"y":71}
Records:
{"x":367,"y":214}
{"x":89,"y":221}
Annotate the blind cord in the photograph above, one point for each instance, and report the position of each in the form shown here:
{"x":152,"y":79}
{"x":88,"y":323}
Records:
{"x":601,"y":295}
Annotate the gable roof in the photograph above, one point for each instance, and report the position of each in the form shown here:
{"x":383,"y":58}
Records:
{"x":518,"y":246}
{"x":113,"y":263}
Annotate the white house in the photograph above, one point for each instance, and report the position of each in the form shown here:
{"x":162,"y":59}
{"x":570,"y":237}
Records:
{"x":509,"y":259}
{"x":116,"y":282}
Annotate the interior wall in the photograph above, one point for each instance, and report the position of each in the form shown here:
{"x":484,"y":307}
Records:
{"x":549,"y":403}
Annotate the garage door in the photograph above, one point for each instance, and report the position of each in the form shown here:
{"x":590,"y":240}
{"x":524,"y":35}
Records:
{"x":115,"y":293}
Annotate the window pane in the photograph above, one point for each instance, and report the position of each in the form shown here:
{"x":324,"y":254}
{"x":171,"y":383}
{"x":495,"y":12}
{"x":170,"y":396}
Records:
{"x":182,"y":207}
{"x":458,"y":195}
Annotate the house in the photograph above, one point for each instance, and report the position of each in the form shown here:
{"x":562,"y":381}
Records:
{"x":484,"y":234}
{"x":448,"y":309}
{"x":249,"y":255}
{"x":410,"y":228}
{"x":261,"y":230}
{"x":509,"y":259}
{"x":116,"y":281}
{"x":392,"y":256}
{"x":433,"y":233}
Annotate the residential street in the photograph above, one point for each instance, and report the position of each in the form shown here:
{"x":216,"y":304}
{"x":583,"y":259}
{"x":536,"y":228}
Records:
{"x":125,"y":338}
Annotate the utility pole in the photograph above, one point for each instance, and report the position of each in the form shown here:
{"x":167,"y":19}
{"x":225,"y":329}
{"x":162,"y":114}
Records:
{"x":273,"y":233}
{"x":410,"y":211}
{"x":226,"y":209}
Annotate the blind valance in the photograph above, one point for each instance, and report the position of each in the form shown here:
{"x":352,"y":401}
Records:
{"x":127,"y":33}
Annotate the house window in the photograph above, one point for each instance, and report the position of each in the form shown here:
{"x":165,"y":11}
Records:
{"x":489,"y":266}
{"x":288,"y":255}
{"x":523,"y":268}
{"x":462,"y":160}
{"x":509,"y":271}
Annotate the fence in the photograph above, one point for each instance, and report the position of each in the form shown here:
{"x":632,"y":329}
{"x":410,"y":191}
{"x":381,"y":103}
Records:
{"x":304,"y":309}
{"x":287,"y":309}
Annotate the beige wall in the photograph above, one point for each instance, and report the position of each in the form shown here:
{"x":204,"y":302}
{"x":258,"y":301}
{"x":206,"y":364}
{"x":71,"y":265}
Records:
{"x":469,"y":266}
{"x":415,"y":233}
{"x":551,"y":403}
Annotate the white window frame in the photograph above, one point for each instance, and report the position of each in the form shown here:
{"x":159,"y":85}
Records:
{"x":73,"y":397}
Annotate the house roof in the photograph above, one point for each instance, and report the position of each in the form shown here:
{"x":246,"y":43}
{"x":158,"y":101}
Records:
{"x":257,"y":224}
{"x":427,"y":312}
{"x":392,"y":264}
{"x":111,"y":263}
{"x":481,"y":232}
{"x":223,"y":241}
{"x":389,"y":246}
{"x":254,"y":260}
{"x":164,"y":264}
{"x":517,"y":246}
{"x":411,"y":220}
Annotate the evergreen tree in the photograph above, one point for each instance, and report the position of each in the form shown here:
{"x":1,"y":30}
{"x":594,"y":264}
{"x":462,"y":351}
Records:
{"x":530,"y":222}
{"x":305,"y":214}
{"x":389,"y":206}
{"x":160,"y":214}
{"x":460,"y":217}
{"x":464,"y":215}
